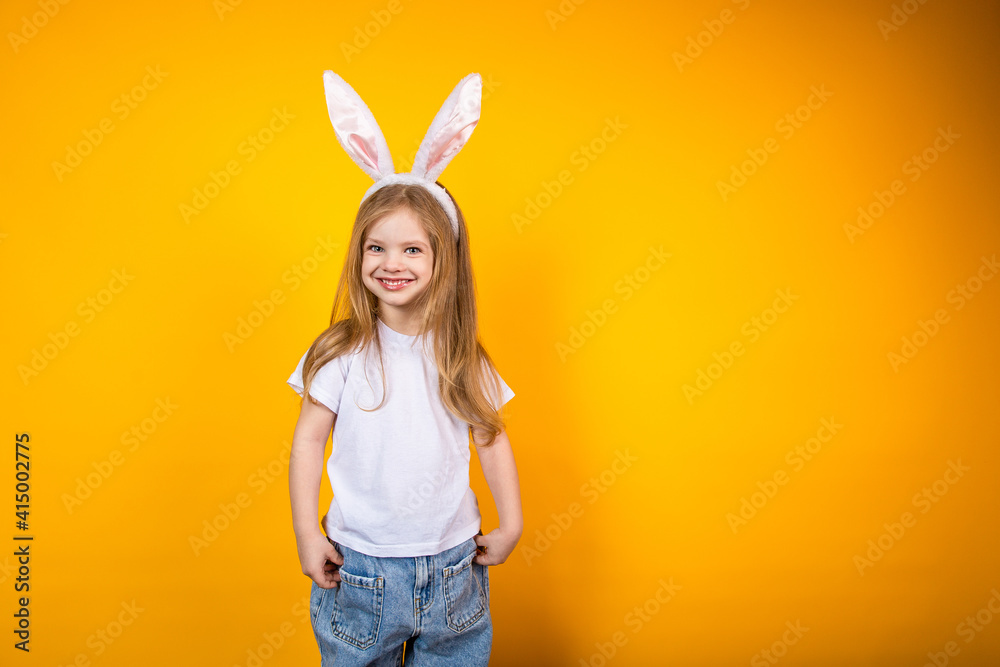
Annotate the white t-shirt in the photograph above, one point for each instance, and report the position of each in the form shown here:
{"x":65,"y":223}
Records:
{"x":400,"y":474}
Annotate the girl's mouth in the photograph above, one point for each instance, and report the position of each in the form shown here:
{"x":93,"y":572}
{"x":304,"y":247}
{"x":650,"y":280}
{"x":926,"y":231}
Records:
{"x":394,"y":285}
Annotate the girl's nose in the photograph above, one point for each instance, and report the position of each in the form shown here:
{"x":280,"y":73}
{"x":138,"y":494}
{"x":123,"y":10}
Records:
{"x":393,"y":261}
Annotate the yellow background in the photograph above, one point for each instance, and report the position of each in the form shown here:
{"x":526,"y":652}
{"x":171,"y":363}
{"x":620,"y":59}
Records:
{"x":552,"y":87}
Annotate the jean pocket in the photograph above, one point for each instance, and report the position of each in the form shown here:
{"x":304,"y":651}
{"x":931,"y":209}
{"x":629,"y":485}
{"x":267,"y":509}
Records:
{"x":464,"y":597}
{"x":316,"y":596}
{"x":486,"y":583}
{"x":357,"y":609}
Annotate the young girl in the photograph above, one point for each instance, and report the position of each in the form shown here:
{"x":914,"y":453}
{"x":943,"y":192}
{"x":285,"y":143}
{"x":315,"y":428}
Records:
{"x":401,"y":379}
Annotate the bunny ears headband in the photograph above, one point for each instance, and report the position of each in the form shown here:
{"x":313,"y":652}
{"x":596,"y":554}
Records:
{"x":361,"y":137}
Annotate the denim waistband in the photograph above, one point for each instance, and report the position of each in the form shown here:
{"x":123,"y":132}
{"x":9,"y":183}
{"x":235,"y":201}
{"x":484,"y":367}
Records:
{"x":456,"y":552}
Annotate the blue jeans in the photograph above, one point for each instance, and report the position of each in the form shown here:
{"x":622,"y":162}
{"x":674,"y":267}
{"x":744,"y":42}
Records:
{"x":435,"y":608}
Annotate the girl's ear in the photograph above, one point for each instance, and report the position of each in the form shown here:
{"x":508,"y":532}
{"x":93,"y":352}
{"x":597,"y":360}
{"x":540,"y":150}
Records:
{"x":450,"y":129}
{"x":356,"y":128}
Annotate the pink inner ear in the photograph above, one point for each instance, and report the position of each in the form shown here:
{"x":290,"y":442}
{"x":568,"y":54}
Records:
{"x":452,"y":126}
{"x":456,"y":140}
{"x":365,"y":150}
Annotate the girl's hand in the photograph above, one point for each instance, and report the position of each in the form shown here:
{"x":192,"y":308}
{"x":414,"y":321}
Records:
{"x":495,"y":546}
{"x":320,"y":560}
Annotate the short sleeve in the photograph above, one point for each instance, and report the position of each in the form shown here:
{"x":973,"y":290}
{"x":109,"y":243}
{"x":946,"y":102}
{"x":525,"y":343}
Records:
{"x":328,"y":383}
{"x":505,"y":393}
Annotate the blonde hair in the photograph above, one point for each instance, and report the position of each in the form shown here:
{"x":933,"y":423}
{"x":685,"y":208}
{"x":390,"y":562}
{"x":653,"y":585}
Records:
{"x":448,"y":308}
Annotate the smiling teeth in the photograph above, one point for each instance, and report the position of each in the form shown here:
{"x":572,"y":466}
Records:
{"x":394,"y":282}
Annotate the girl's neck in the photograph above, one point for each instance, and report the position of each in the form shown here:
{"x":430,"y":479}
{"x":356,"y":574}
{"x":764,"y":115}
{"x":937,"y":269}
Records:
{"x":405,"y":328}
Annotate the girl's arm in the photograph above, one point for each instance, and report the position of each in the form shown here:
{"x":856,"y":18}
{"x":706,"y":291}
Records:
{"x":500,"y":472}
{"x":318,"y":557}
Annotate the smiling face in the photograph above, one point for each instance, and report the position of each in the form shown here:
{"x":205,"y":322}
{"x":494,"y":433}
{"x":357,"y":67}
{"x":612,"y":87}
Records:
{"x":396,"y":266}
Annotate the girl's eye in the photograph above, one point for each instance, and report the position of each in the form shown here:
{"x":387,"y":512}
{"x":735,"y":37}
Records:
{"x":377,"y":248}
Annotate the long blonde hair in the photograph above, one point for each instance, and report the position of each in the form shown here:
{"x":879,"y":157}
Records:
{"x":448,"y":306}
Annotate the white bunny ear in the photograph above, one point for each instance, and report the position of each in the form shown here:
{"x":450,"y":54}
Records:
{"x":356,"y":128}
{"x":450,"y":129}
